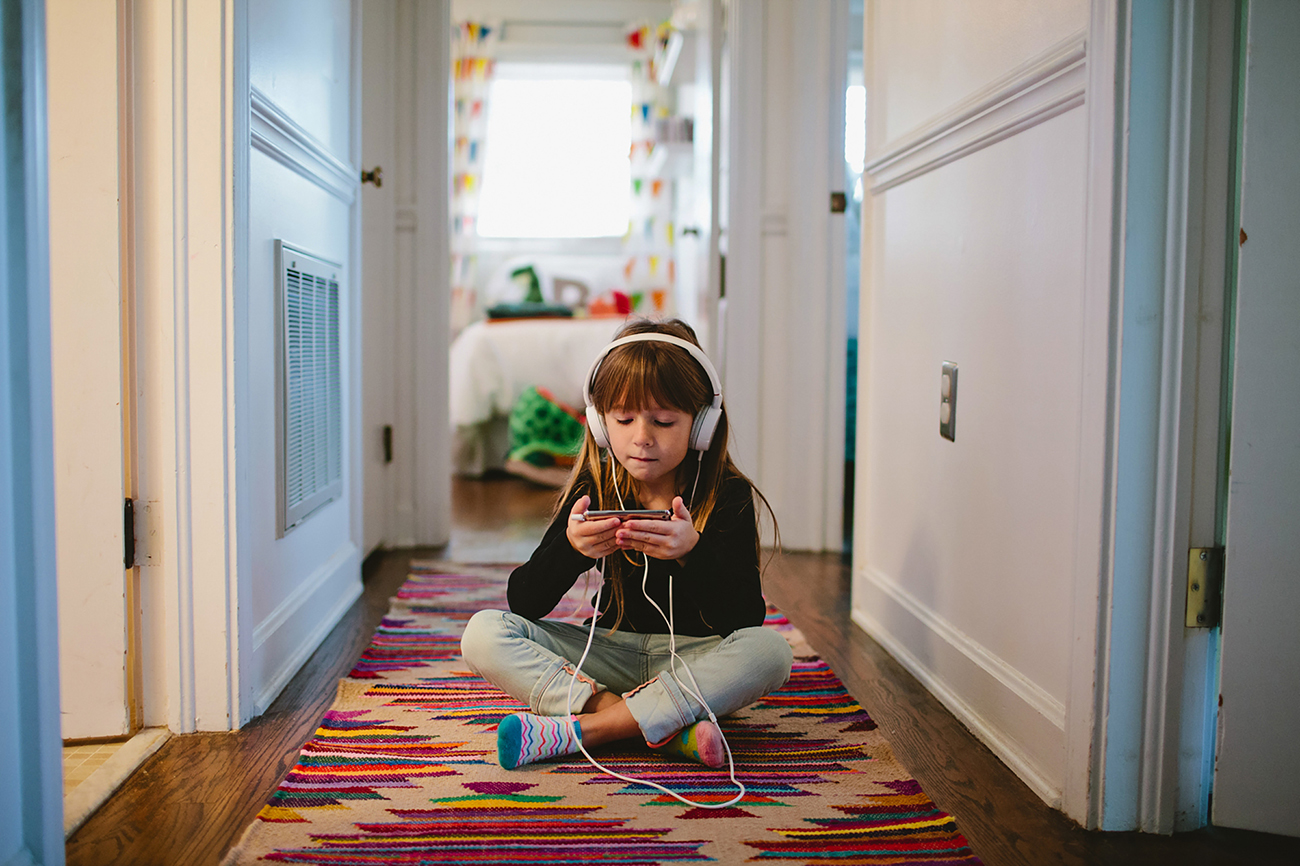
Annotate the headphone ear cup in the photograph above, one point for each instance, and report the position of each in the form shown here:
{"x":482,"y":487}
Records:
{"x":706,"y":423}
{"x":596,"y":425}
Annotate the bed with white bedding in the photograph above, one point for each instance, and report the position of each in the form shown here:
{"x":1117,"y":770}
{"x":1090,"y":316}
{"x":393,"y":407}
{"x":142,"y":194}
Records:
{"x":494,"y":362}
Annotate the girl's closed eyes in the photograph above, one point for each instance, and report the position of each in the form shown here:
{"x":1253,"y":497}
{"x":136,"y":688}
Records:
{"x":625,"y":419}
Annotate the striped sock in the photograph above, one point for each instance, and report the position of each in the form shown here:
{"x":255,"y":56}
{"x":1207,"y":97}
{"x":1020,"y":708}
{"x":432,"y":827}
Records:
{"x":700,"y":742}
{"x":524,"y":738}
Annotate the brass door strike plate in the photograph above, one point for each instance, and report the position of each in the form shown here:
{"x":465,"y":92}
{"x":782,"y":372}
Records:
{"x":1204,"y":586}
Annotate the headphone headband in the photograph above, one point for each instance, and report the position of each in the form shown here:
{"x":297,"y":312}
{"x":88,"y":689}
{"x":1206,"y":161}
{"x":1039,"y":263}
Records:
{"x":706,"y":421}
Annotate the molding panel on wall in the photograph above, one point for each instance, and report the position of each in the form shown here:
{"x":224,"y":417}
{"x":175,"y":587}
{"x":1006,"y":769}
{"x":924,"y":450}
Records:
{"x":1039,"y":89}
{"x":277,"y":135}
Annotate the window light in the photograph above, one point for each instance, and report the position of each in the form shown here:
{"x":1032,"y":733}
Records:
{"x":556,"y":162}
{"x":855,"y":127}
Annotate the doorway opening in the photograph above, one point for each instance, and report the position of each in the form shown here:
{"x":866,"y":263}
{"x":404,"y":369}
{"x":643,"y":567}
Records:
{"x":855,"y":145}
{"x":581,"y":197}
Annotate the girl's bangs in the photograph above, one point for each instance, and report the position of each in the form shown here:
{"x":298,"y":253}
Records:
{"x":650,"y":378}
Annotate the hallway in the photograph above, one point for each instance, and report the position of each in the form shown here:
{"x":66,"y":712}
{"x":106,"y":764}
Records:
{"x":190,"y":802}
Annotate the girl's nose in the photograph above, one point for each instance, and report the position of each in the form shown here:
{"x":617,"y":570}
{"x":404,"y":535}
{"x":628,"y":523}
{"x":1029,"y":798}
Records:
{"x":643,"y":433}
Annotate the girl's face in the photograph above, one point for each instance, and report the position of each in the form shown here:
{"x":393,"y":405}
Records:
{"x":650,"y":444}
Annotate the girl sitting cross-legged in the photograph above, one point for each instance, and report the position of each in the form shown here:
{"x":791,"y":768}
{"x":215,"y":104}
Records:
{"x":656,"y":439}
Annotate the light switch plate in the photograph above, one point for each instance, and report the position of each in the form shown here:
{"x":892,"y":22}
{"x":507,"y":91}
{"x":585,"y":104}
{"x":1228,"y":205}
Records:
{"x":948,"y":402}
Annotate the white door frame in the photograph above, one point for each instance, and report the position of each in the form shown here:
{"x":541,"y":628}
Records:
{"x":1138,"y":689}
{"x":191,"y":210}
{"x":739,"y":344}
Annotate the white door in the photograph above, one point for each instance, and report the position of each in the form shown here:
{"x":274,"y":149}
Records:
{"x":379,"y":321}
{"x":1258,"y":750}
{"x":694,"y":218}
{"x":699,"y":255}
{"x":86,"y":312}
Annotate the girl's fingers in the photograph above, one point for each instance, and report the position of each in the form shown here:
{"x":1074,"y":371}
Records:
{"x":679,"y":509}
{"x":651,"y":528}
{"x":598,"y":531}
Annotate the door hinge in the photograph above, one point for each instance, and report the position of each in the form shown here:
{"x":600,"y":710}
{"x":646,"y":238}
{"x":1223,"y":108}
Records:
{"x":839,"y":202}
{"x":1204,"y":586}
{"x":388,"y":443}
{"x":128,"y":533}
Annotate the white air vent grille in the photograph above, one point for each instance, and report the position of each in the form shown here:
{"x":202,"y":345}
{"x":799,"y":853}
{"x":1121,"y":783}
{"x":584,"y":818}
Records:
{"x":309,"y":391}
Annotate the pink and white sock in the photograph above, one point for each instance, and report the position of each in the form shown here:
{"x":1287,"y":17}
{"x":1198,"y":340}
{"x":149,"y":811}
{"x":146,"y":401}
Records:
{"x":525,"y":738}
{"x":700,"y":742}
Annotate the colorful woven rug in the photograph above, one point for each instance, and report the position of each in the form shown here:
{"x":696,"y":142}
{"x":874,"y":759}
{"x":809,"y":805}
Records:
{"x":403,"y":769}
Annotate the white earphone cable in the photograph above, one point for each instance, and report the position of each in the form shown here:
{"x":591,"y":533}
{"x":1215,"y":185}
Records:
{"x":673,"y":658}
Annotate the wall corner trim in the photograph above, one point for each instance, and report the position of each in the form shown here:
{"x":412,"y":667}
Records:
{"x":1046,"y":85}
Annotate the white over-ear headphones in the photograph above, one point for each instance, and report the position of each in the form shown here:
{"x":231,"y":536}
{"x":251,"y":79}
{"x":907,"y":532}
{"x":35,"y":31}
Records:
{"x":706,"y":420}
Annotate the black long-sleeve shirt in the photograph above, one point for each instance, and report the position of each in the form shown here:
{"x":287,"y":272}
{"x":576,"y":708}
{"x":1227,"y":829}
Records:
{"x":716,"y":591}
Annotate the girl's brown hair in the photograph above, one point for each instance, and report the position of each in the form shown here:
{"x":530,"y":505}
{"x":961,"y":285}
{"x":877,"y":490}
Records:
{"x":636,"y":376}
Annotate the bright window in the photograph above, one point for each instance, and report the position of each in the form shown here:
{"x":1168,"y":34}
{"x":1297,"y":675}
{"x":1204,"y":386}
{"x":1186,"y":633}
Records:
{"x":557,"y":145}
{"x":855,"y":126}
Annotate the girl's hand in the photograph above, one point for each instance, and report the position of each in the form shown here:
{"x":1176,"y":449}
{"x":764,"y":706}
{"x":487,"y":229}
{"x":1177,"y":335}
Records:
{"x":662,"y":539}
{"x":592,"y":538}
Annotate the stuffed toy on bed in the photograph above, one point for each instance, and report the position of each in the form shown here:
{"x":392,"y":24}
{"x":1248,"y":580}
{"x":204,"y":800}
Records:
{"x":544,"y":438}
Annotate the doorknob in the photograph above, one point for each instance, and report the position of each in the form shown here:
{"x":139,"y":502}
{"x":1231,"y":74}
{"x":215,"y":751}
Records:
{"x":375,"y":176}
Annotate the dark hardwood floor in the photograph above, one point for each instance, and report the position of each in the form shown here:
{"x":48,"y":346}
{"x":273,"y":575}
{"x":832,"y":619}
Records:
{"x":1005,"y":822}
{"x":191,"y":800}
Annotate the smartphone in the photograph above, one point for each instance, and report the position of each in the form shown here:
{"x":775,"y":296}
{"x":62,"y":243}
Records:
{"x":633,"y":514}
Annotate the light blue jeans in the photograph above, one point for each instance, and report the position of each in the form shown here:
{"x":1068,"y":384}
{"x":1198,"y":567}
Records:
{"x":533,"y":661}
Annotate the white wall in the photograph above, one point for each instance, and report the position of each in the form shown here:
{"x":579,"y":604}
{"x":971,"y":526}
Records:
{"x":302,"y":189}
{"x":300,"y":57}
{"x":926,"y":57}
{"x":965,"y":552}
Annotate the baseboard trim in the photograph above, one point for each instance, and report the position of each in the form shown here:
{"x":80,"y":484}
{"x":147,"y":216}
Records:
{"x":310,"y":643}
{"x":305,"y":590}
{"x":348,"y":556}
{"x":990,"y":733}
{"x":1041,"y":701}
